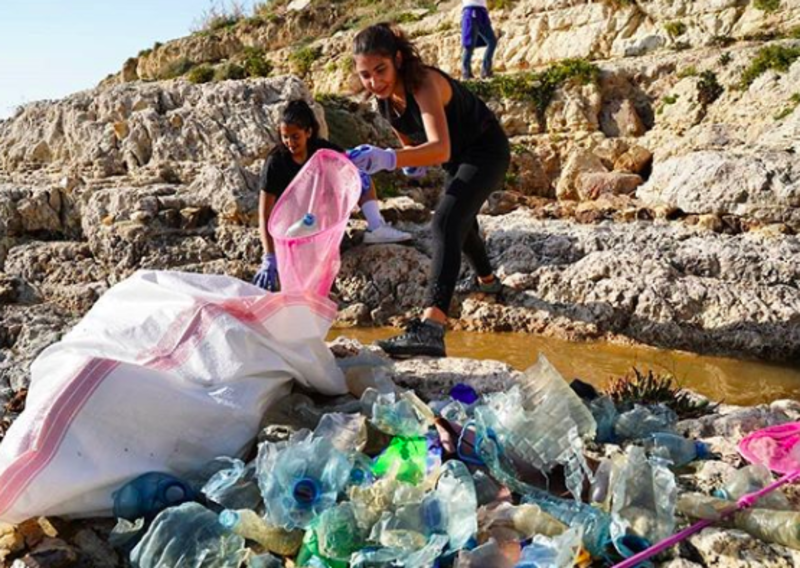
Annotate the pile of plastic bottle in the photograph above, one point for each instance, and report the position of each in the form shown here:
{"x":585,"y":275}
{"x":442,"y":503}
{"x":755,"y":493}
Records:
{"x":392,"y":481}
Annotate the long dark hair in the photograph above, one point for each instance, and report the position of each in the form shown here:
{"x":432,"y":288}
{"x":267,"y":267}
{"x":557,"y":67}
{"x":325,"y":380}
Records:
{"x":299,"y":114}
{"x":388,"y":40}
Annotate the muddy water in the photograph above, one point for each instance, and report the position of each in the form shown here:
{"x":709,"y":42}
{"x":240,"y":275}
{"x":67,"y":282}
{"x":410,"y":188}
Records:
{"x":730,"y":380}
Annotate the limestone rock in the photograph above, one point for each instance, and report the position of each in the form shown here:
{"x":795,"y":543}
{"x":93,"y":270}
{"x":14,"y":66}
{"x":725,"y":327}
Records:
{"x":622,"y":119}
{"x":579,"y":162}
{"x":636,"y":160}
{"x":433,"y":378}
{"x":592,"y":185}
{"x":404,"y":210}
{"x":737,"y":549}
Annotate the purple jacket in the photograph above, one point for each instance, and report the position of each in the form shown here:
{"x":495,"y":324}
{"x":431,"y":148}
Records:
{"x":475,"y":20}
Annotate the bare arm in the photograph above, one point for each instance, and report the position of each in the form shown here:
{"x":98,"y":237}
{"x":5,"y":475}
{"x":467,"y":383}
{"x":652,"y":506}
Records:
{"x":266,"y":201}
{"x":431,"y":105}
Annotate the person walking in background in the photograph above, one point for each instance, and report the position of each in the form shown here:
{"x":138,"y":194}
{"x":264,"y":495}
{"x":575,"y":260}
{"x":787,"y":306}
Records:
{"x":476,"y":31}
{"x":299,"y":140}
{"x":439,"y":122}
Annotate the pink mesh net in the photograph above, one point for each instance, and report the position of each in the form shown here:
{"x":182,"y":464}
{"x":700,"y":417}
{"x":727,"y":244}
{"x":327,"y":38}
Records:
{"x":329,"y":187}
{"x":775,"y":447}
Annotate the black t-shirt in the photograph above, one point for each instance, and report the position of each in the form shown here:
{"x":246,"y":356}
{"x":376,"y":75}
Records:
{"x":279,"y":167}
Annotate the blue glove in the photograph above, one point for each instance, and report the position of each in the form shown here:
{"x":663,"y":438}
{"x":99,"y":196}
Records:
{"x":267,"y":275}
{"x":415,"y":172}
{"x":372,"y":159}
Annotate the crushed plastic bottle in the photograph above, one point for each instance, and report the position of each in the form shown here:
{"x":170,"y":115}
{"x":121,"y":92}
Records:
{"x":519,"y":522}
{"x":605,"y":415}
{"x":347,"y":432}
{"x":149,"y":494}
{"x":600,"y":495}
{"x":488,"y":554}
{"x":456,"y":491}
{"x":677,"y":449}
{"x":644,"y":495}
{"x":264,"y":560}
{"x":552,"y":552}
{"x":404,"y":415}
{"x":779,"y":527}
{"x":408,"y":459}
{"x":234,"y":486}
{"x":304,"y":226}
{"x":338,"y":533}
{"x":249,"y":525}
{"x":300,"y":478}
{"x":645,"y":420}
{"x":749,"y":480}
{"x":188,"y":535}
{"x":424,"y":557}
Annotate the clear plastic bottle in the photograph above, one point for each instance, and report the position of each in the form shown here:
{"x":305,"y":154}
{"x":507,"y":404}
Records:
{"x":188,"y":535}
{"x":306,"y":225}
{"x":248,"y":524}
{"x":234,"y":486}
{"x":300,"y":478}
{"x":677,"y":449}
{"x":347,"y":432}
{"x":749,"y":480}
{"x":338,"y":533}
{"x":644,"y":420}
{"x":149,"y":494}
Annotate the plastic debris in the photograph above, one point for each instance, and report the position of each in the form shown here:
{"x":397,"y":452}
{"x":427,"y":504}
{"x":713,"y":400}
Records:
{"x":749,"y":480}
{"x":149,"y":494}
{"x":645,"y":420}
{"x":678,"y":450}
{"x":248,"y":524}
{"x":235,"y":486}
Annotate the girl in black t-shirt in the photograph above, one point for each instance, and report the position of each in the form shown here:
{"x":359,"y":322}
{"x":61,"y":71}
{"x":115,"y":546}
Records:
{"x":299,"y":133}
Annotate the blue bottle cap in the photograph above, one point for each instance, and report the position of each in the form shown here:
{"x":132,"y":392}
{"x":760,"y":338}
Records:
{"x":306,"y":491}
{"x":229,"y":518}
{"x":309,"y":219}
{"x":464,"y":394}
{"x":174,"y":494}
{"x":702,"y":450}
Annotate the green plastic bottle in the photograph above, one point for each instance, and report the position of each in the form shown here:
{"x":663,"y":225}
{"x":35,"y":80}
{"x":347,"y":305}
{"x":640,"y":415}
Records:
{"x":405,"y":459}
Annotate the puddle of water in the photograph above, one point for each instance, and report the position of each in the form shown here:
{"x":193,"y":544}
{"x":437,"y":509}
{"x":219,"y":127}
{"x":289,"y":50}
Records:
{"x":733,"y":381}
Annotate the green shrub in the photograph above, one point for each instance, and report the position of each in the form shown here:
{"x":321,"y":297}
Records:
{"x":177,"y":68}
{"x":144,"y":52}
{"x":302,"y":59}
{"x":229,"y":72}
{"x":675,"y":29}
{"x":408,"y":18}
{"x":666,"y":101}
{"x":773,"y":57}
{"x":725,"y":58}
{"x":502,"y":4}
{"x":709,"y":89}
{"x":255,"y":64}
{"x":794,"y":102}
{"x":201,"y":74}
{"x":650,"y":388}
{"x":690,"y":71}
{"x":157,"y":45}
{"x":767,"y":5}
{"x":794,"y":33}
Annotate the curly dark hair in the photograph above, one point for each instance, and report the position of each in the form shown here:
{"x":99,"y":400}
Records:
{"x":388,"y":40}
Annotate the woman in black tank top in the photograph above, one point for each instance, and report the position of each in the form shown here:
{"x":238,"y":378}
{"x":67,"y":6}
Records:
{"x":439,"y":122}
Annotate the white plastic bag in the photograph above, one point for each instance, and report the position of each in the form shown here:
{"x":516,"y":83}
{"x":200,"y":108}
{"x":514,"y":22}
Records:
{"x":166,"y":372}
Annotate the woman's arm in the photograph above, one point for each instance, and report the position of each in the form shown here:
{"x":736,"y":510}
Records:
{"x":266,"y":201}
{"x":437,"y":149}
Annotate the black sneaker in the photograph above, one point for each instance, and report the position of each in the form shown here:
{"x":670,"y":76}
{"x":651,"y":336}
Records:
{"x":475,"y":285}
{"x":420,"y":338}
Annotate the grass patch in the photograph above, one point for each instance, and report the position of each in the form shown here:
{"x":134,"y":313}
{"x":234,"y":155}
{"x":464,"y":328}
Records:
{"x":794,"y":102}
{"x":302,"y":58}
{"x":537,"y":88}
{"x":725,"y":59}
{"x":641,"y":387}
{"x":176,"y":69}
{"x":767,"y":5}
{"x":666,"y":101}
{"x":501,"y":4}
{"x":201,"y":74}
{"x":675,"y":29}
{"x":690,"y":71}
{"x":794,"y":33}
{"x":408,"y":18}
{"x":709,"y":89}
{"x":773,"y":57}
{"x":229,"y":72}
{"x":255,"y":63}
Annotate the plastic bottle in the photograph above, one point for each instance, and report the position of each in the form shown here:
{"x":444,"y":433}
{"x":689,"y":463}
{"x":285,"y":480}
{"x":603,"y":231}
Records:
{"x":265,"y":560}
{"x":488,"y":554}
{"x":234,"y":487}
{"x":398,"y":415}
{"x":306,"y":225}
{"x":300,"y":478}
{"x":552,"y":552}
{"x":248,"y":524}
{"x":347,"y":432}
{"x":643,"y":421}
{"x":188,"y":535}
{"x":149,"y":494}
{"x":749,"y":480}
{"x":456,"y":490}
{"x":405,"y":459}
{"x":424,"y":557}
{"x":338,"y":533}
{"x":605,"y":415}
{"x":677,"y":449}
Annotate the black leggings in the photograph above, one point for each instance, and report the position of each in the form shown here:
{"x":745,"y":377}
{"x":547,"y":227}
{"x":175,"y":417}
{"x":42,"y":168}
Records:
{"x":470,"y":181}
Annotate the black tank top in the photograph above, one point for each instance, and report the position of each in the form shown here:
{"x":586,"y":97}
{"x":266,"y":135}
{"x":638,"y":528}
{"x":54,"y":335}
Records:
{"x":468,"y":118}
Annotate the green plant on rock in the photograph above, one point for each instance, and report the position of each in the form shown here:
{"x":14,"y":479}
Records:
{"x":773,"y":57}
{"x":255,"y":63}
{"x":502,"y":4}
{"x":794,"y":33}
{"x":690,"y":71}
{"x":176,"y":69}
{"x":675,"y":29}
{"x":666,"y":101}
{"x":725,"y":59}
{"x":767,"y":5}
{"x":303,"y":57}
{"x":229,"y":72}
{"x":794,"y":102}
{"x":641,"y":387}
{"x":407,"y":18}
{"x":201,"y":74}
{"x":708,"y":88}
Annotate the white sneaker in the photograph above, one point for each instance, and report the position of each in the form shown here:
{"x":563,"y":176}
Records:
{"x":386,"y":234}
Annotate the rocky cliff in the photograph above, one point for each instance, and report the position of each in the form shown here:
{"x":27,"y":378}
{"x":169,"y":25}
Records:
{"x":654,"y":194}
